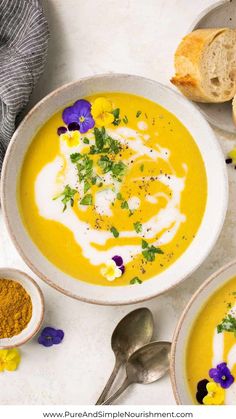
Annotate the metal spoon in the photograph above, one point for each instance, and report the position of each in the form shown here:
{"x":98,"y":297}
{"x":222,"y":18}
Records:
{"x":132,"y":332}
{"x":145,"y":366}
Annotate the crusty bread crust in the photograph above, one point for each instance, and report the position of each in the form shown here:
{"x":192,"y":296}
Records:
{"x":189,"y":58}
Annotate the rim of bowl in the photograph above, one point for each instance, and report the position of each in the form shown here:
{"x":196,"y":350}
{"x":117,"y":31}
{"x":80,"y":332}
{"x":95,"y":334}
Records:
{"x":181,"y":320}
{"x":16,"y":242}
{"x":15,"y":274}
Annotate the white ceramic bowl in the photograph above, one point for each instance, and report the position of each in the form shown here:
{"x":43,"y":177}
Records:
{"x":180,"y":339}
{"x":37,"y":304}
{"x":216,"y":176}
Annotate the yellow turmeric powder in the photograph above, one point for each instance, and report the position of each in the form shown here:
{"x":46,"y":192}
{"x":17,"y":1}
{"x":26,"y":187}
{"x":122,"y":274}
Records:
{"x":15,"y":308}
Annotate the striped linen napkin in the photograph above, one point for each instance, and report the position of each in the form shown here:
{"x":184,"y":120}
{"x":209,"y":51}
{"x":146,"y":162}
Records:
{"x":23,"y":49}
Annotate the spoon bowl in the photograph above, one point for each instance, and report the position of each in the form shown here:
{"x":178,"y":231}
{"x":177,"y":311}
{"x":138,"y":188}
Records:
{"x":146,"y":365}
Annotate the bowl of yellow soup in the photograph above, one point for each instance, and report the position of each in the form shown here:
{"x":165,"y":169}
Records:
{"x":114,"y":189}
{"x":203,"y":359}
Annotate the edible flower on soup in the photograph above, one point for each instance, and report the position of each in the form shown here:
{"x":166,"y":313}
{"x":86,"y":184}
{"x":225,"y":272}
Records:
{"x":80,"y":113}
{"x":102,"y":112}
{"x":201,"y":390}
{"x":9,"y":359}
{"x":119,"y":262}
{"x":221,"y":374}
{"x":215,"y":394}
{"x":111,"y":271}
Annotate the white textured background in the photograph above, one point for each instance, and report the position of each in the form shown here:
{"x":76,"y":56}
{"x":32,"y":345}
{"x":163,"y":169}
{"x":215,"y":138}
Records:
{"x":90,"y":37}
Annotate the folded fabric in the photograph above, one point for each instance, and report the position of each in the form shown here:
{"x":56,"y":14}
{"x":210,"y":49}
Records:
{"x":23,"y":49}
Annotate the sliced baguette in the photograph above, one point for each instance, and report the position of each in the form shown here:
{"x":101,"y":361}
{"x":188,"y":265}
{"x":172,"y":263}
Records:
{"x":205,"y":65}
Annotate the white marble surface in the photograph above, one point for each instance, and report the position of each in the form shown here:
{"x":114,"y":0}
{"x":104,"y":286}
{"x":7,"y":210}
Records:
{"x":90,"y":37}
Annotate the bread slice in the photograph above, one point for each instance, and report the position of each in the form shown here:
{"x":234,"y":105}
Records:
{"x":205,"y":63}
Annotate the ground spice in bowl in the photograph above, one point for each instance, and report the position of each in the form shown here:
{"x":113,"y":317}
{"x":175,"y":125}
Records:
{"x":15,"y":308}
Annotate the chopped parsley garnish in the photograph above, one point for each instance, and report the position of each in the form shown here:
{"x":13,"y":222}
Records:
{"x":85,"y":140}
{"x":87,"y":200}
{"x":104,"y":143}
{"x":138,"y":114}
{"x":117,"y":169}
{"x":125,"y":119}
{"x":124,"y":205}
{"x":228,"y":324}
{"x":116,"y":113}
{"x":85,"y":167}
{"x":149,"y":252}
{"x":135,"y":281}
{"x":67,"y":196}
{"x":142,"y":167}
{"x":119,"y":196}
{"x":138,"y":226}
{"x":75,"y":157}
{"x":87,"y":186}
{"x":115,"y":232}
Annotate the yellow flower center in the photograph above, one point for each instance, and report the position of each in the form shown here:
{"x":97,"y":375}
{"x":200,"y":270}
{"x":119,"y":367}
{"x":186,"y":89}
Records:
{"x":81,"y":119}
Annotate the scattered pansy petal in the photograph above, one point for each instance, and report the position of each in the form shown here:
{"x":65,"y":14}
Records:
{"x":201,"y":390}
{"x":73,"y":126}
{"x":61,"y":130}
{"x":215,"y":394}
{"x":71,"y":138}
{"x":9,"y":359}
{"x":221,"y":374}
{"x":110,"y":271}
{"x":118,"y":260}
{"x":50,"y":336}
{"x":102,"y":112}
{"x":122,"y":268}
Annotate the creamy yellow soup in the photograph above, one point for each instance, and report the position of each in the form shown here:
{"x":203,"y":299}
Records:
{"x":212,"y":342}
{"x":113,"y":175}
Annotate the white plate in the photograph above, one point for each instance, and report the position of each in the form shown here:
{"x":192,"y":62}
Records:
{"x":215,"y":207}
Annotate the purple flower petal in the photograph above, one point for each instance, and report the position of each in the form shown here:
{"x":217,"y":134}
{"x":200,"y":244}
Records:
{"x":73,"y":126}
{"x":201,"y":390}
{"x":48,"y":331}
{"x":221,"y":374}
{"x":61,"y":130}
{"x":69,"y":115}
{"x":118,"y":260}
{"x":82,"y":107}
{"x":42,"y":340}
{"x":87,"y":124}
{"x":122,"y":268}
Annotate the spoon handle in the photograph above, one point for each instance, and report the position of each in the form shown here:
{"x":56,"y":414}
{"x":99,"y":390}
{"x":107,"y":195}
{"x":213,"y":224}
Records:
{"x":110,"y":381}
{"x":122,"y":388}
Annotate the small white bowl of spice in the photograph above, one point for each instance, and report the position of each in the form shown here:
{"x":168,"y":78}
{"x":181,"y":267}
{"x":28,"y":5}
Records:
{"x":21,"y":308}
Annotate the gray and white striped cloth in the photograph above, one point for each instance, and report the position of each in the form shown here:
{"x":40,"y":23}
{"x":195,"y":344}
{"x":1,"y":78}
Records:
{"x":23,"y":50}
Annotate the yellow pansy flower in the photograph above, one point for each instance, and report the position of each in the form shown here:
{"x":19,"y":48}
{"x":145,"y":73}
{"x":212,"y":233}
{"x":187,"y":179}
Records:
{"x":9,"y":359}
{"x":72,"y":138}
{"x":102,"y":112}
{"x":110,"y":271}
{"x":215,"y":396}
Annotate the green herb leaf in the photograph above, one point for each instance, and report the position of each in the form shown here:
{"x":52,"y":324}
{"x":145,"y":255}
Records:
{"x":104,"y":143}
{"x":144,"y":244}
{"x":85,"y":140}
{"x":116,"y":113}
{"x":138,"y":114}
{"x":125,"y":119}
{"x":115,"y":232}
{"x":87,"y":200}
{"x":142,"y":167}
{"x":67,"y":196}
{"x":87,"y":186}
{"x":124,"y":205}
{"x":119,"y":196}
{"x":75,"y":157}
{"x":138,"y":226}
{"x":228,"y":324}
{"x":135,"y":281}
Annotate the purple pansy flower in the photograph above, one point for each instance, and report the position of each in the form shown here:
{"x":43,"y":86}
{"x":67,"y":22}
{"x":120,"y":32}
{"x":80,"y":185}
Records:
{"x":221,"y":374}
{"x":119,"y":263}
{"x":50,"y":336}
{"x":79,"y":112}
{"x":201,"y":390}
